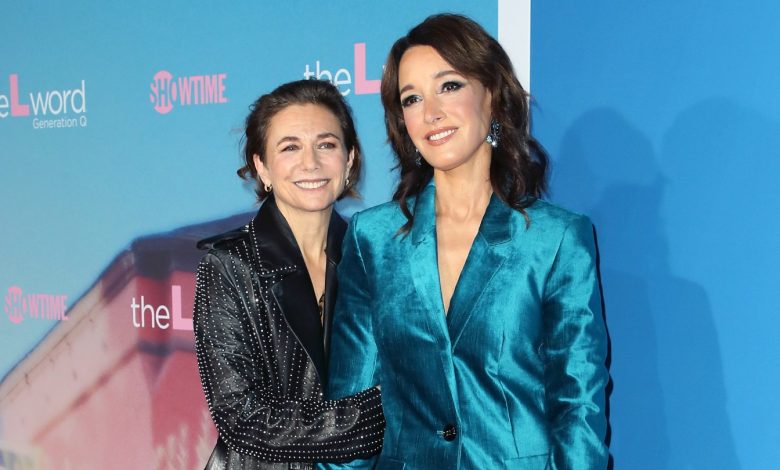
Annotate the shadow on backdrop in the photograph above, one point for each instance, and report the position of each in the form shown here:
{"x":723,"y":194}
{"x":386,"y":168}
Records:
{"x":728,"y":152}
{"x":668,"y":403}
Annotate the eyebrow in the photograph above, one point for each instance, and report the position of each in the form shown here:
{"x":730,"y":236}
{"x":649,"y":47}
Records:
{"x":435,"y":76}
{"x":288,"y":138}
{"x":328,"y":134}
{"x":292,"y":138}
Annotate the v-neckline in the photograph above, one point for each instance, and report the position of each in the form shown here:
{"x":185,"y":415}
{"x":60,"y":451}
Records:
{"x":447,"y":306}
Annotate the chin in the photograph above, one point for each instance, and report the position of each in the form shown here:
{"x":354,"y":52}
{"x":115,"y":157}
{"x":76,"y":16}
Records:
{"x":445,"y":163}
{"x":315,"y":206}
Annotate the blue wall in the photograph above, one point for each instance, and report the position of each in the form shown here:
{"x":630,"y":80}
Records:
{"x":72,"y":198}
{"x":663,"y":121}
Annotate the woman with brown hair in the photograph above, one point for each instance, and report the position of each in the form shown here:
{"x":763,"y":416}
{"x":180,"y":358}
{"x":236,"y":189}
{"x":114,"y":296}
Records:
{"x":475,"y":304}
{"x":265,"y":294}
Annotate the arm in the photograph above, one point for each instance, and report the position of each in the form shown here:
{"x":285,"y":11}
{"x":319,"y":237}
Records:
{"x":576,"y":375}
{"x":250,"y":417}
{"x":353,"y":353}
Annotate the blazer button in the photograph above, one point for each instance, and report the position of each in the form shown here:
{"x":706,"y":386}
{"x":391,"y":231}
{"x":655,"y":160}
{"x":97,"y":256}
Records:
{"x":449,"y":432}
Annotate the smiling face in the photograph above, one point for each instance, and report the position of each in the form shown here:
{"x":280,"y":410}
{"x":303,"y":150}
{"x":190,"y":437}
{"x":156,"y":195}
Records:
{"x":306,"y":162}
{"x":447,"y":115}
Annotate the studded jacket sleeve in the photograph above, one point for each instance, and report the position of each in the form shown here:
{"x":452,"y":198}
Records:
{"x":252,"y":414}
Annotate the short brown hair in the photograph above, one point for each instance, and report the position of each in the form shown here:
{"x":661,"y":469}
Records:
{"x":299,"y":92}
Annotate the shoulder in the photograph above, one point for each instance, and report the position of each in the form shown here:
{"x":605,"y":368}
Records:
{"x":380,"y":220}
{"x":225,"y":245}
{"x":549,"y":217}
{"x":224,"y":240}
{"x":552,"y":226}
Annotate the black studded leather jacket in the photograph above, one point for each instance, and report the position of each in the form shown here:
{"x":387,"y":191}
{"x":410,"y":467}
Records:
{"x":262,"y":353}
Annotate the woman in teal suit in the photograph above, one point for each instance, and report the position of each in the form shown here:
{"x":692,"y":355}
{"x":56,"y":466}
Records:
{"x":475,"y":305}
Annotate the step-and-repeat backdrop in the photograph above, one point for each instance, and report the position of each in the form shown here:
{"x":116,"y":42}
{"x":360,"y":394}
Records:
{"x":119,"y":141}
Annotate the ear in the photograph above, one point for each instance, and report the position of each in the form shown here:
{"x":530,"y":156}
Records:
{"x":262,"y":171}
{"x":350,"y":159}
{"x":488,"y":101}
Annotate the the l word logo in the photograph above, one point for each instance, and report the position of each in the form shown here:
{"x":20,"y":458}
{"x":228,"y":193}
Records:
{"x":342,"y":78}
{"x":54,"y":108}
{"x":146,"y":315}
{"x":19,"y":305}
{"x":195,"y":90}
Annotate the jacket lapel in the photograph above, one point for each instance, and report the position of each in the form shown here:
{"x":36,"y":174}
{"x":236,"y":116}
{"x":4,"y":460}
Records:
{"x":336,"y":232}
{"x":488,"y":253}
{"x":424,"y":264}
{"x":277,"y":251}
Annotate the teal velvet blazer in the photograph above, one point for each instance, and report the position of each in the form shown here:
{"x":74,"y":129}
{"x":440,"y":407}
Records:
{"x":512,"y":377}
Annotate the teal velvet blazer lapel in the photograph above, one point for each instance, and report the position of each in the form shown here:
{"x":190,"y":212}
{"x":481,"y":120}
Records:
{"x":488,"y":252}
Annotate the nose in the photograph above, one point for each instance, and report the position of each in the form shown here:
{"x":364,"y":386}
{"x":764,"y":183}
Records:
{"x":310,"y":159}
{"x":432,"y":110}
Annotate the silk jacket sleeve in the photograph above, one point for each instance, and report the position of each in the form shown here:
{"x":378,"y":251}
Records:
{"x":353,"y":356}
{"x":251,"y":416}
{"x":576,"y":346}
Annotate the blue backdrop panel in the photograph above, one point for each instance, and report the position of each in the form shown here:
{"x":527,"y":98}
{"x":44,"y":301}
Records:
{"x":663,"y":120}
{"x":118,"y":122}
{"x":137,"y":155}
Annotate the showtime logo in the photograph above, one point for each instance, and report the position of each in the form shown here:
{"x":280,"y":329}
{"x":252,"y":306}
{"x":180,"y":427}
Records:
{"x":19,"y":305}
{"x":53,"y":108}
{"x":195,"y":90}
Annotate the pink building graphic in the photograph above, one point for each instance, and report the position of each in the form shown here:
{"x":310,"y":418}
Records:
{"x":103,"y":391}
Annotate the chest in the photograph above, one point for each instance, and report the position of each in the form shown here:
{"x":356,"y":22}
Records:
{"x":282,"y":330}
{"x":453,"y":245}
{"x":498,"y":298}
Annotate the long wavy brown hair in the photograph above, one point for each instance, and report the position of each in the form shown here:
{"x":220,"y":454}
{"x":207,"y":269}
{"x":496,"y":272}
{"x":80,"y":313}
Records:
{"x":518,"y":169}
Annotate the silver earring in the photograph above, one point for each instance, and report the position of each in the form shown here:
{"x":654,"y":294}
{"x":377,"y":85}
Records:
{"x":418,"y":160}
{"x":495,"y":134}
{"x":268,"y":188}
{"x":346,"y":183}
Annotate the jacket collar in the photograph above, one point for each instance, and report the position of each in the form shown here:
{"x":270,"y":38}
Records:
{"x":277,"y":250}
{"x":278,"y":246}
{"x":496,"y":226}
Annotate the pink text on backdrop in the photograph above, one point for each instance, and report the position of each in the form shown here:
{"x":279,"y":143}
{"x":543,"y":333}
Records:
{"x":342,"y":77}
{"x":19,"y":305}
{"x":44,"y":103}
{"x":194,"y":90}
{"x":148,"y":315}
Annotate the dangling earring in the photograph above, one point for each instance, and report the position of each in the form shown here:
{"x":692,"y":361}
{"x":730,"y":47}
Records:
{"x":346,"y":179}
{"x":267,"y":188}
{"x":495,"y":134}
{"x":418,"y":160}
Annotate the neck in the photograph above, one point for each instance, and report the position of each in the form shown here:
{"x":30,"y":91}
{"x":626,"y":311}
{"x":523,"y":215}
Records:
{"x":464,"y":192}
{"x":310,"y":229}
